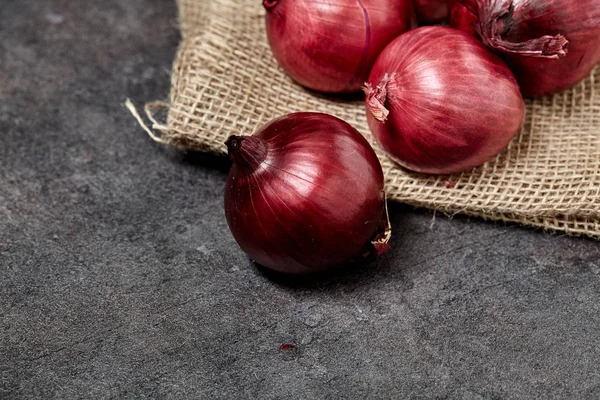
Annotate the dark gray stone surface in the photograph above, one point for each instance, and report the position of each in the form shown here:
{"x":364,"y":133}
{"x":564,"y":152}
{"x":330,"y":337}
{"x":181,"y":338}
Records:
{"x":120,"y":279}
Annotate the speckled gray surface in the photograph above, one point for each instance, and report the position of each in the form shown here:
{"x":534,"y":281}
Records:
{"x":120,"y":279}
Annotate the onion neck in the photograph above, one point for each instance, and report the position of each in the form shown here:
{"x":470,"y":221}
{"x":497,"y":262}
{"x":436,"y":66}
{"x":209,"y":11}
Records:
{"x":377,"y":97}
{"x":247,"y":152}
{"x":497,"y":18}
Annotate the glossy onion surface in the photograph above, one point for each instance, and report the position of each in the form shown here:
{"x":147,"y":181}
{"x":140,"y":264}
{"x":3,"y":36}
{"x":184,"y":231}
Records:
{"x":330,"y":46}
{"x":304,"y":194}
{"x":431,"y":11}
{"x":462,"y":16}
{"x":439,"y":102}
{"x":550,"y":45}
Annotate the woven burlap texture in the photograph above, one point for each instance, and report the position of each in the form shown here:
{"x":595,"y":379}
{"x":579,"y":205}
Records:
{"x":225,"y":81}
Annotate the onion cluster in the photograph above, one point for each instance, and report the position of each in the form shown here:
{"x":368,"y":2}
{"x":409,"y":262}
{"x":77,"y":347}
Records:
{"x":305,"y":193}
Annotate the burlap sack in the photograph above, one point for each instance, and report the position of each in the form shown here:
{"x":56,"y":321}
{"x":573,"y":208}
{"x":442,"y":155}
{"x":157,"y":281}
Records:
{"x":225,"y":81}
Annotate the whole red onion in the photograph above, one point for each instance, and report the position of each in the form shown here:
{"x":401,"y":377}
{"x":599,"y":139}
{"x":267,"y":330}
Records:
{"x":439,"y":102}
{"x":550,"y":45}
{"x":305,"y":193}
{"x":330,"y":46}
{"x":431,"y":11}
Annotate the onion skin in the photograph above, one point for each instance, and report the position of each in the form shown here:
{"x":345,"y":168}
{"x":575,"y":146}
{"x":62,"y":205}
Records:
{"x":550,"y":45}
{"x":462,"y":17}
{"x":305,"y":194}
{"x":431,"y":11}
{"x":330,"y":46}
{"x":439,"y":102}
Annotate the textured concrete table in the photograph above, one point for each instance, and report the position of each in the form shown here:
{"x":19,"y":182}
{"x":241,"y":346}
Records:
{"x":119,"y":277}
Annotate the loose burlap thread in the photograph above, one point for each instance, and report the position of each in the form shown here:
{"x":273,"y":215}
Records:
{"x":225,"y":81}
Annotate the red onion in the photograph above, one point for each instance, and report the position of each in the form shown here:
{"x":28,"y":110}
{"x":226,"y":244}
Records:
{"x":462,"y":16}
{"x":439,"y":102}
{"x":305,"y":193}
{"x":330,"y":46}
{"x":431,"y":11}
{"x":550,"y":45}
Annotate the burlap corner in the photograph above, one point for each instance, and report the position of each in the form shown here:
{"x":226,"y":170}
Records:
{"x":225,"y":81}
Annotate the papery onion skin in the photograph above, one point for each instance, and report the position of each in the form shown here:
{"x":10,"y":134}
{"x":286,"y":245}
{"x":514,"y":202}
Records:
{"x":330,"y":46}
{"x":452,"y":104}
{"x":550,"y":45}
{"x":431,"y":11}
{"x":304,"y":194}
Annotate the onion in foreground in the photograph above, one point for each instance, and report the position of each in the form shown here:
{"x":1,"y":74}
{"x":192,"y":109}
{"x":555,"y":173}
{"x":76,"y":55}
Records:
{"x":331,"y":46}
{"x":439,"y":102}
{"x":305,"y":194}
